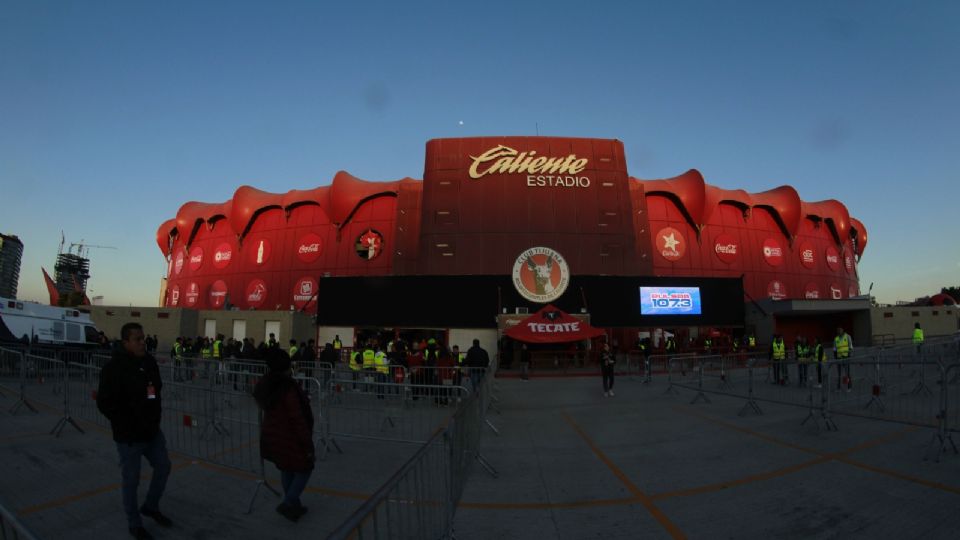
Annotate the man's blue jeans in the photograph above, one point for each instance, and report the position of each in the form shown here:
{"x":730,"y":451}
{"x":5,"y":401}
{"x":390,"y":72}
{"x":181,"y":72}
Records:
{"x":130,"y":453}
{"x":293,"y":485}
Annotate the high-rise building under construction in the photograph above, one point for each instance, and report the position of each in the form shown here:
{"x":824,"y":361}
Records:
{"x":11,"y":251}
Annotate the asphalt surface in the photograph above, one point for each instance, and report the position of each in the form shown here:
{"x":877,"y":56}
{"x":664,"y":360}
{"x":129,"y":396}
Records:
{"x":571,"y":464}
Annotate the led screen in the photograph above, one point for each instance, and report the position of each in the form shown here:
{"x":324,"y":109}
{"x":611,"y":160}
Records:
{"x":670,"y":300}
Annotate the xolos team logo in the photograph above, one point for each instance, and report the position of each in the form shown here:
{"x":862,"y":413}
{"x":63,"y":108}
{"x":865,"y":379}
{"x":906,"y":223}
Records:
{"x":541,"y":275}
{"x":670,"y":244}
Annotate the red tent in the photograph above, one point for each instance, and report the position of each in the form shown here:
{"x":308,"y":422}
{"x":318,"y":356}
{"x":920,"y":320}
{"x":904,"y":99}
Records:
{"x":552,"y":325}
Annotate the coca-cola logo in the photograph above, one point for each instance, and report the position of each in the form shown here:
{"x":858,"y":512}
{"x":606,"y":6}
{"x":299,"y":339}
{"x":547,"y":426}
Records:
{"x":175,"y":295}
{"x":833,"y":258}
{"x":772,"y":252}
{"x":309,"y":247}
{"x":259,"y":250}
{"x":848,"y":262}
{"x":670,"y":244}
{"x":256,"y":293}
{"x":178,"y":263}
{"x":223,"y":255}
{"x":811,"y":291}
{"x":726,"y":248}
{"x":196,"y":258}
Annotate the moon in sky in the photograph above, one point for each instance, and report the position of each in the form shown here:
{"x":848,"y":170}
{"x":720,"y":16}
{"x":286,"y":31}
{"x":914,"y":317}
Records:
{"x":461,"y":122}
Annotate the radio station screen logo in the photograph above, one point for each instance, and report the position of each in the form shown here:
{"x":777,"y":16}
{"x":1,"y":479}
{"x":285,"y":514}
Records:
{"x":772,"y":252}
{"x":808,"y":257}
{"x":222,"y":255}
{"x":196,"y":258}
{"x":670,"y":300}
{"x":671,"y":244}
{"x":726,"y":247}
{"x":218,"y":293}
{"x":309,"y":247}
{"x":256,"y":293}
{"x":304,"y":292}
{"x":540,"y":274}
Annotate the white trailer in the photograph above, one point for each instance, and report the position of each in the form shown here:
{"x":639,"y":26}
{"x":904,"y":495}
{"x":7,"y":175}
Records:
{"x":45,"y":324}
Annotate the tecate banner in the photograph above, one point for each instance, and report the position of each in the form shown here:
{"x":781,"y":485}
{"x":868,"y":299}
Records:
{"x":670,"y":300}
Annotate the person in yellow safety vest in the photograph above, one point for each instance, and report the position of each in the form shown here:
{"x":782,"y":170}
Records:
{"x":778,"y":353}
{"x":178,"y":360}
{"x":369,"y":359}
{"x":337,"y":344}
{"x":382,"y":367}
{"x":356,"y":364}
{"x":218,"y":347}
{"x":707,"y":345}
{"x":842,"y":348}
{"x":671,"y":345}
{"x":819,"y":357}
{"x":917,"y":336}
{"x":751,"y":342}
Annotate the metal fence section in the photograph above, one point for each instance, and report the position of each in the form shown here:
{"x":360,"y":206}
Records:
{"x":11,"y":527}
{"x":421,"y":499}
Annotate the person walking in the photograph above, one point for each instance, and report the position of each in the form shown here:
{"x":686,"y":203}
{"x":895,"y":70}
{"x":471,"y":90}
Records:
{"x":607,"y":362}
{"x":129,"y":395}
{"x":477,"y":362}
{"x":286,"y":432}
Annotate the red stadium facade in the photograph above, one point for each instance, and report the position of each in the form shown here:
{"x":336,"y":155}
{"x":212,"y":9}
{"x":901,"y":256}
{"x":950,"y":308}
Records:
{"x":482,"y":202}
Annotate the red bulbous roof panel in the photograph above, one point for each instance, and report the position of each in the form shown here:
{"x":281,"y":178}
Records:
{"x":834,"y":211}
{"x":347,"y":192}
{"x":166,"y":229}
{"x":861,"y":235}
{"x":688,"y":189}
{"x":319,"y":196}
{"x":716,"y":196}
{"x":193,"y":213}
{"x":785,"y":202}
{"x":247,"y":202}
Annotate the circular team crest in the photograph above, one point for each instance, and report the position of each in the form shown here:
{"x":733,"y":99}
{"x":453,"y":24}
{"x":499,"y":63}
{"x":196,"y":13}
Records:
{"x":541,"y":275}
{"x":369,"y":244}
{"x":670,"y":244}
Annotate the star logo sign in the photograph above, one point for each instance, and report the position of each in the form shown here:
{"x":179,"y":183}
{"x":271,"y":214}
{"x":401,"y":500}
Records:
{"x":670,"y":242}
{"x":671,"y":245}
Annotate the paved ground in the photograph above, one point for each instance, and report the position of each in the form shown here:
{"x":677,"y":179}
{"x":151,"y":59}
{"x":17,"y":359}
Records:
{"x":572,"y":464}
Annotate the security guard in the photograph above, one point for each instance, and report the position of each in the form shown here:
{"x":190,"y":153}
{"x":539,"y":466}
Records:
{"x":819,"y":357}
{"x":842,"y":347}
{"x":337,"y":345}
{"x":778,"y":353}
{"x":178,"y":360}
{"x":382,"y":367}
{"x":356,"y":365}
{"x":707,"y":345}
{"x":917,"y":337}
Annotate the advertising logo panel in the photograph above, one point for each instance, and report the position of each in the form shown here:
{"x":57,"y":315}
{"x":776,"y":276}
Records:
{"x":218,"y":293}
{"x":196,"y":258}
{"x":256,"y":293}
{"x":304,"y":291}
{"x":670,"y":300}
{"x":540,"y":274}
{"x":808,"y":256}
{"x":772,"y":252}
{"x":671,"y":244}
{"x":222,"y":256}
{"x":726,"y":247}
{"x":259,"y":251}
{"x":833,"y":258}
{"x":309,"y":247}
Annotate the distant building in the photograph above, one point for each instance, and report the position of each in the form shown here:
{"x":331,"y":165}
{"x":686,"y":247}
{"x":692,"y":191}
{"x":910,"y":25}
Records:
{"x":11,"y":251}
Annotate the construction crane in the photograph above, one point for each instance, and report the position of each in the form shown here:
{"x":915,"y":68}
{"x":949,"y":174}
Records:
{"x":83,"y":249}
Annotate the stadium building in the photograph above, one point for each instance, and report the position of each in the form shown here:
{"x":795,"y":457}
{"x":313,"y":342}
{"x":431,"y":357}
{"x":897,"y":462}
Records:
{"x":500,"y":226}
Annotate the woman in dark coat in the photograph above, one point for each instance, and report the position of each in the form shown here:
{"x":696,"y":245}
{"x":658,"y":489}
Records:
{"x":286,"y":433}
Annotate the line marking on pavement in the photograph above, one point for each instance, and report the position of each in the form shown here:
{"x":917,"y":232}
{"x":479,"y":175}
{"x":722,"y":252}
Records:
{"x":840,"y":457}
{"x":642,"y":498}
{"x":550,"y":506}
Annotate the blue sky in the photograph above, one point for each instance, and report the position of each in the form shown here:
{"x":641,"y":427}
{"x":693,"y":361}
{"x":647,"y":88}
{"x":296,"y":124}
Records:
{"x":113,"y":114}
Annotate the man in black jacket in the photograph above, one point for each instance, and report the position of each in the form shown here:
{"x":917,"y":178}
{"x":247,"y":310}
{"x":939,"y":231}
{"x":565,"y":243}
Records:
{"x":478,"y":361}
{"x":129,"y":395}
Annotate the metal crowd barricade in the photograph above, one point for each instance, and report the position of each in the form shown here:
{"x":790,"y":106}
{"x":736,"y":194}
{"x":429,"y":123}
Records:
{"x":375,"y":409}
{"x":12,"y":528}
{"x":420,"y":500}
